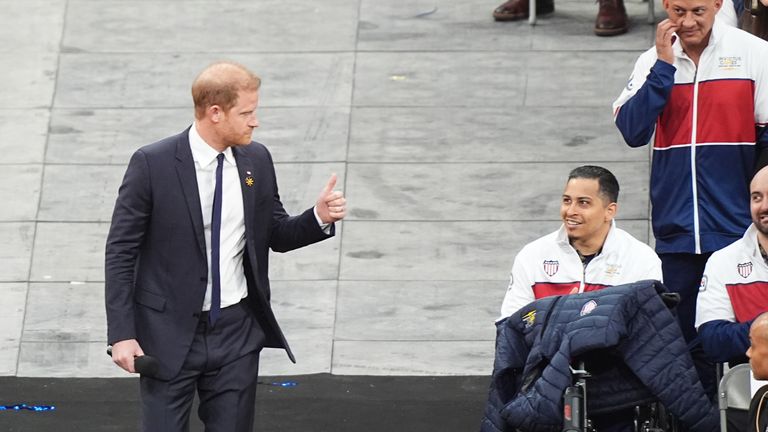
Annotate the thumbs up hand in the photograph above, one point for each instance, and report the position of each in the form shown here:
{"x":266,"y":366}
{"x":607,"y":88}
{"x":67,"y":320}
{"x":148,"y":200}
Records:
{"x":331,"y":205}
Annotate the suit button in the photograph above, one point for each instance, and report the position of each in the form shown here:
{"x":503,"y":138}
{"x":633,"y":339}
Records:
{"x":203,"y":279}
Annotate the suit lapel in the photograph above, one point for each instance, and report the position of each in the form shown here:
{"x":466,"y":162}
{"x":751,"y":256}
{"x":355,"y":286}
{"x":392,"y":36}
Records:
{"x":185,"y":169}
{"x":250,"y":186}
{"x":247,"y":178}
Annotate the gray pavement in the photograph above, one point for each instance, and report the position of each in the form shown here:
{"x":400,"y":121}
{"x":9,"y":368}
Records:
{"x":452,"y":136}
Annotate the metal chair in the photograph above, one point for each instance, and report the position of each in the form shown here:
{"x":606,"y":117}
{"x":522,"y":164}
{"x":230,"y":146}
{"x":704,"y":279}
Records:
{"x":734,"y":392}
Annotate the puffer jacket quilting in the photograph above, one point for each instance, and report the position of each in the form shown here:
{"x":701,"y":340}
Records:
{"x":633,"y":346}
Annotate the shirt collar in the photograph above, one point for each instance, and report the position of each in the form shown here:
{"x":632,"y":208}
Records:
{"x":718,"y":28}
{"x":202,"y":153}
{"x":750,"y":240}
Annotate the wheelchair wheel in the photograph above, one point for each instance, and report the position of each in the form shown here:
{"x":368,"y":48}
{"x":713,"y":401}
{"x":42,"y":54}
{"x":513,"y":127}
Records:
{"x":654,"y":417}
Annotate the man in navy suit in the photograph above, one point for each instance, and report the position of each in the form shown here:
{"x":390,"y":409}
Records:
{"x":187,"y":258}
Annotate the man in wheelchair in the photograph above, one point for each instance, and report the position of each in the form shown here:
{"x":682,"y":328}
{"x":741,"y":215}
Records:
{"x":626,"y":336}
{"x":641,"y":355}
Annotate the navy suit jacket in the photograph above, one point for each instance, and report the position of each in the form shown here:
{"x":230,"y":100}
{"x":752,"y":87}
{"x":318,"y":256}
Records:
{"x":156,"y":266}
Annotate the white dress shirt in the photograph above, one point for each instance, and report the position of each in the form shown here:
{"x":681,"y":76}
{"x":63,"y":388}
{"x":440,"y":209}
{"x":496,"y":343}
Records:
{"x":233,"y":284}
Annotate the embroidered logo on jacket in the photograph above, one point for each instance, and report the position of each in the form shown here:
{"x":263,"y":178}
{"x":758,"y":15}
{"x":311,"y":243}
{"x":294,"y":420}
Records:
{"x":729,"y":63}
{"x":529,"y":318}
{"x":612,"y":269}
{"x":745,"y":269}
{"x":551,"y":267}
{"x":588,"y":308}
{"x":630,"y":83}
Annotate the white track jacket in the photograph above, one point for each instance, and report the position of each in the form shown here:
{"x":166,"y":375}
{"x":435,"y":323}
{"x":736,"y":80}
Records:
{"x":551,"y":266}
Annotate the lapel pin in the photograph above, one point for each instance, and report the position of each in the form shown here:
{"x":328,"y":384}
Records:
{"x":249,"y":181}
{"x":248,"y":172}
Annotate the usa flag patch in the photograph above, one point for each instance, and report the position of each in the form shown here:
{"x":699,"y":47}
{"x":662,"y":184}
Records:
{"x":745,"y":269}
{"x":551,"y":267}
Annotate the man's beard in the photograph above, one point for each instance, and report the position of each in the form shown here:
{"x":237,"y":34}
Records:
{"x":761,"y":227}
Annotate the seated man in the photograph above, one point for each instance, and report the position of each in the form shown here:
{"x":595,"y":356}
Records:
{"x":587,"y":253}
{"x":734,"y":288}
{"x":758,"y":348}
{"x":758,"y":361}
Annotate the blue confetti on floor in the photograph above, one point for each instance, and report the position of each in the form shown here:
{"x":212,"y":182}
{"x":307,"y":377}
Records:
{"x":23,"y":406}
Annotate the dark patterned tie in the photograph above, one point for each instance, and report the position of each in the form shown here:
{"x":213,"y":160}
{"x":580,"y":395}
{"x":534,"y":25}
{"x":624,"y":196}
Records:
{"x":215,"y":245}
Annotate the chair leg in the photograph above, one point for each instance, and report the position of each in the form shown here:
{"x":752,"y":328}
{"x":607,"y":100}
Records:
{"x":532,"y":12}
{"x":651,"y":14}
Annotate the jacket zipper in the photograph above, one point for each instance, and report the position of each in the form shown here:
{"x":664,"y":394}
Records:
{"x":583,"y":269}
{"x":694,"y":188}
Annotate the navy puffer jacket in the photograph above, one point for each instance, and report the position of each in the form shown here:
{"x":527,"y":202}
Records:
{"x":632,"y":344}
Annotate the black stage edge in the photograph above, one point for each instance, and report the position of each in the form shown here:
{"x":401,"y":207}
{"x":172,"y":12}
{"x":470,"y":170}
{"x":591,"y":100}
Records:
{"x":316,"y":403}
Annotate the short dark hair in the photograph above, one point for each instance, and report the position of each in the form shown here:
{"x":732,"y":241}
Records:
{"x":608,"y":185}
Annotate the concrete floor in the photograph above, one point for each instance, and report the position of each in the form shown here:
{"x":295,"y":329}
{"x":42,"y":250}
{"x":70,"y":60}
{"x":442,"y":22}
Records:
{"x":452,"y":135}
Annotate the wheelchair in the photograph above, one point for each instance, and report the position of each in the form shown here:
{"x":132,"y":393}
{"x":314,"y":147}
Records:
{"x":652,"y":417}
{"x":625,"y":359}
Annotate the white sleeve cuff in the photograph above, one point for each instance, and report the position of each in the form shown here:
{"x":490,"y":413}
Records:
{"x":323,"y":226}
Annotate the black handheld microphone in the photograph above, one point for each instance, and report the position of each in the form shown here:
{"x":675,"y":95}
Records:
{"x":144,"y":365}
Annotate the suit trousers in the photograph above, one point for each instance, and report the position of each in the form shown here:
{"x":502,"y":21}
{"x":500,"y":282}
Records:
{"x":222,"y":366}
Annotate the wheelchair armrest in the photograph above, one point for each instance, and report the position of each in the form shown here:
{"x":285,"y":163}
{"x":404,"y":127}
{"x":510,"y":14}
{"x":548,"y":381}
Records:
{"x":670,"y":299}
